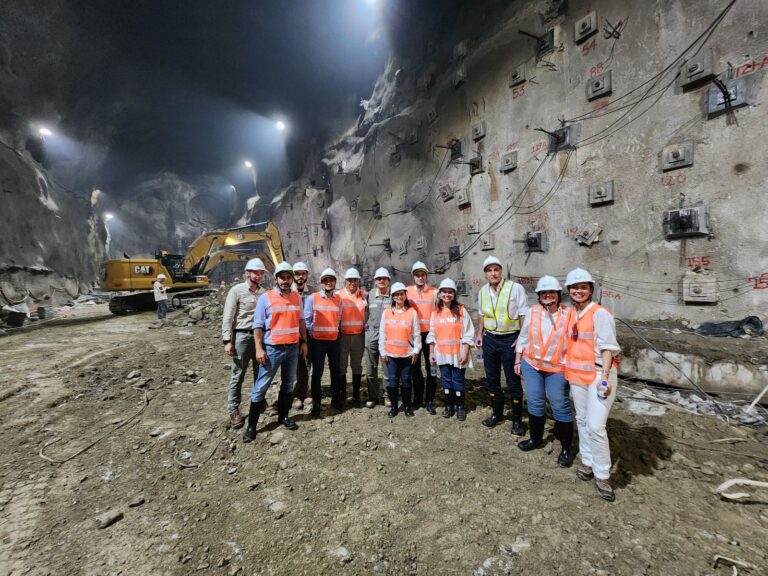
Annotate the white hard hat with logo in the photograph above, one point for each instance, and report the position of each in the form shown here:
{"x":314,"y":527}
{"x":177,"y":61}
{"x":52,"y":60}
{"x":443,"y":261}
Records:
{"x":328,"y":272}
{"x":255,"y":264}
{"x":283,"y":267}
{"x":448,"y":284}
{"x":419,"y":266}
{"x":491,"y":260}
{"x":382,"y":273}
{"x":161,"y":277}
{"x":578,"y":275}
{"x":352,"y":274}
{"x":397,"y":287}
{"x":548,"y":283}
{"x":300,"y":267}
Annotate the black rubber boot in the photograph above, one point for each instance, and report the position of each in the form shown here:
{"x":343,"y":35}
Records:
{"x":565,"y":433}
{"x":407,"y":407}
{"x":497,"y":403}
{"x":283,"y":406}
{"x":253,"y":418}
{"x":537,"y":433}
{"x":356,"y":380}
{"x":461,"y":413}
{"x":393,"y":409}
{"x":429,"y":405}
{"x":340,"y":399}
{"x":448,"y":399}
{"x":517,"y":418}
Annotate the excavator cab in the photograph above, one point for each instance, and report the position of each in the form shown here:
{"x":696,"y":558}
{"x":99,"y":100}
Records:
{"x":174,"y":263}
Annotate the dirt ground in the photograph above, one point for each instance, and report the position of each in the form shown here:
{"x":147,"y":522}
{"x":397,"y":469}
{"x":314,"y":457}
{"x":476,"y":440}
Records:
{"x":352,"y":493}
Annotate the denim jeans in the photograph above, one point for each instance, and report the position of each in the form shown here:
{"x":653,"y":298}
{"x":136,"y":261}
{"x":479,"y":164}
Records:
{"x":498,"y":352}
{"x":243,"y":343}
{"x":541,"y":386}
{"x":319,"y":350}
{"x":452,"y":377}
{"x":399,"y":372}
{"x":284,"y":356}
{"x":162,"y":309}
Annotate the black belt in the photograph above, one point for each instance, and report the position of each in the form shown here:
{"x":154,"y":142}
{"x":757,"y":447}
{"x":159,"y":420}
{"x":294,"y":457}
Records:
{"x":283,"y":345}
{"x":515,"y":333}
{"x":246,"y":330}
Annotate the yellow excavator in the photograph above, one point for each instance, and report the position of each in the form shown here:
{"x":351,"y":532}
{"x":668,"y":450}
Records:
{"x":131,"y":279}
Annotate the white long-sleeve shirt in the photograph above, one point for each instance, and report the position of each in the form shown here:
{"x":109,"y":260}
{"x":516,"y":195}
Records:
{"x":467,"y":338}
{"x":414,"y":345}
{"x":547,"y":326}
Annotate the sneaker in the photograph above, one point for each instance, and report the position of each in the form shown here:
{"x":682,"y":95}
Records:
{"x":235,"y":419}
{"x":297,"y":404}
{"x":370,"y":404}
{"x":584,"y":473}
{"x":605,"y":490}
{"x":387,"y":402}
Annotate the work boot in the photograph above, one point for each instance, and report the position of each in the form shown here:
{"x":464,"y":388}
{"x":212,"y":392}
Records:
{"x":235,"y":419}
{"x":461,"y":413}
{"x":537,"y":433}
{"x":393,"y":410}
{"x":253,"y":419}
{"x":565,"y":434}
{"x":283,"y":406}
{"x":448,"y":410}
{"x":339,"y":396}
{"x":517,"y":418}
{"x":356,"y":378}
{"x":407,"y":409}
{"x":429,"y":405}
{"x":497,"y":404}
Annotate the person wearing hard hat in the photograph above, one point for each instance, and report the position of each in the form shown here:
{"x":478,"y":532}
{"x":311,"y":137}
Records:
{"x":378,"y":301}
{"x":301,"y":391}
{"x":280,"y":338}
{"x":161,"y":298}
{"x":353,"y":305}
{"x":237,"y":333}
{"x":590,"y":367}
{"x":399,"y":347}
{"x":502,"y":304}
{"x":540,"y":358}
{"x":421,"y":297}
{"x":322,"y":315}
{"x":451,"y":335}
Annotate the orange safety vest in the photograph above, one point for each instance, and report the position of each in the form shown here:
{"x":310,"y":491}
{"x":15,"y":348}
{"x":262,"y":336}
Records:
{"x":448,"y":330}
{"x":398,"y":329}
{"x":325,"y":320}
{"x":424,"y":302}
{"x":285,"y":317}
{"x":545,"y":356}
{"x":352,"y":312}
{"x":580,"y":365}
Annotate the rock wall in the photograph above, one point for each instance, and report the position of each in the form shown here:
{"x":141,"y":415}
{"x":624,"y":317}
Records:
{"x":387,"y":193}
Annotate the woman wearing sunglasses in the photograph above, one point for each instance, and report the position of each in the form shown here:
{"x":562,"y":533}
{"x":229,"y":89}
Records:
{"x":590,"y":368}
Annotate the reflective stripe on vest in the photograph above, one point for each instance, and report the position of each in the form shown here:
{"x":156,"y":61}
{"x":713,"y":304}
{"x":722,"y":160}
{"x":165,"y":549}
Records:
{"x":398,"y":328}
{"x":448,"y":329}
{"x":285,"y":317}
{"x":580,"y":346}
{"x":492,"y":321}
{"x":325,"y":316}
{"x":549,"y":356}
{"x":424,"y":302}
{"x":352,"y":312}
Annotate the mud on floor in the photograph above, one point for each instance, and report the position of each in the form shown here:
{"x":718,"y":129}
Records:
{"x":353,"y":493}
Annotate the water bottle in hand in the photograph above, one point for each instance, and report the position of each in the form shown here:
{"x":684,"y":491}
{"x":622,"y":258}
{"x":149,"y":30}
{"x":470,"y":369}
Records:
{"x":603,"y":389}
{"x":432,"y":367}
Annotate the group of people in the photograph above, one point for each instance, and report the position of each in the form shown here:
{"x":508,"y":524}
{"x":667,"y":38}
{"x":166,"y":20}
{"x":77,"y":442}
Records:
{"x":557,"y":348}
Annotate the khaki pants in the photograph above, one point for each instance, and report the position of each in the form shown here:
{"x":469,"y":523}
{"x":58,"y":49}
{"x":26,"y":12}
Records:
{"x":352,"y":348}
{"x":372,"y":371}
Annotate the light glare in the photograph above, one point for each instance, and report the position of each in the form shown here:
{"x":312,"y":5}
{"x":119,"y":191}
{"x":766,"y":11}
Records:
{"x":280,"y":125}
{"x":44,"y":131}
{"x":108,"y":216}
{"x":248,"y":164}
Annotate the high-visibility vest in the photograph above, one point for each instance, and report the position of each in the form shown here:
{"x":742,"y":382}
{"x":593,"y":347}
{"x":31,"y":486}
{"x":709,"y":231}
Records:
{"x":497,"y":319}
{"x":398,"y":328}
{"x":352,"y":312}
{"x":325,"y":319}
{"x":545,"y":356}
{"x":448,"y":330}
{"x":580,"y":365}
{"x":424,"y":302}
{"x":285,"y":317}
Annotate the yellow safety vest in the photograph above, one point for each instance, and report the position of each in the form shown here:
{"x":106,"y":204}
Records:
{"x":498,"y":320}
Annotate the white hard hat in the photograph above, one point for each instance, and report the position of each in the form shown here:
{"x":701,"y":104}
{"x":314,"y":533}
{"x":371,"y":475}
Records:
{"x":548,"y":283}
{"x":351,"y":274}
{"x":419,"y":266}
{"x":283,"y":267}
{"x":382,"y":273}
{"x":578,"y":275}
{"x":397,"y":287}
{"x":328,"y":272}
{"x":491,"y":260}
{"x":448,"y":283}
{"x":161,"y":277}
{"x":255,"y":264}
{"x":300,"y":267}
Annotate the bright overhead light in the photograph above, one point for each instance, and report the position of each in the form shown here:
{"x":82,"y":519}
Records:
{"x":248,"y":164}
{"x":44,"y":131}
{"x":280,"y":125}
{"x":108,"y":216}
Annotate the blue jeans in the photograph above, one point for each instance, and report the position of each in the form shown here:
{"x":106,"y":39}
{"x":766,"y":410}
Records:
{"x":285,"y":355}
{"x":452,"y":377}
{"x":162,"y":309}
{"x":399,"y":372}
{"x":498,"y":352}
{"x":539,"y":384}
